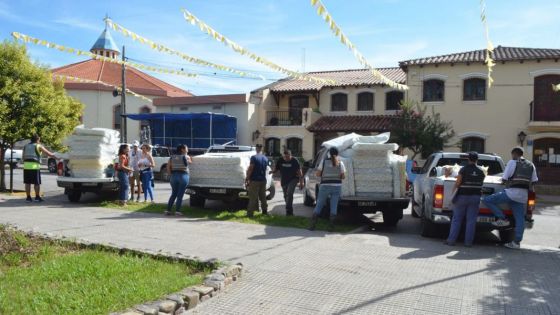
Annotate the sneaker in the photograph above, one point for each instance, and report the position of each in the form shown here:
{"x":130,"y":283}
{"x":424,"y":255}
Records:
{"x":167,"y":213}
{"x":178,"y":214}
{"x":501,"y":223}
{"x":28,"y":199}
{"x":449,"y":243}
{"x":513,"y":245}
{"x":39,"y":199}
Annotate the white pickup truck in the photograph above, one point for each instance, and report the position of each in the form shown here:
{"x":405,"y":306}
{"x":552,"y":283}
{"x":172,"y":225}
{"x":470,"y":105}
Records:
{"x":432,"y":194}
{"x":219,"y":174}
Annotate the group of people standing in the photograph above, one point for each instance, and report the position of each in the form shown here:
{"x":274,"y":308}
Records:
{"x":331,"y":171}
{"x":135,"y":168}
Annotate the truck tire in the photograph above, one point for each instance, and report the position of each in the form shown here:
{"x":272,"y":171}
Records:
{"x":413,"y":213}
{"x":196,"y":201}
{"x":74,"y":195}
{"x":506,"y":236}
{"x":429,"y":229}
{"x":163,"y":174}
{"x":307,"y":200}
{"x":271,"y":192}
{"x":392,"y":216}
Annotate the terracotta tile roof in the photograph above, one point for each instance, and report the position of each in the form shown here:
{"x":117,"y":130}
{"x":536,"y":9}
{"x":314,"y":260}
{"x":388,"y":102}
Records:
{"x":110,"y":73}
{"x":202,"y":99}
{"x":353,"y":123}
{"x":353,"y":77}
{"x":501,"y":53}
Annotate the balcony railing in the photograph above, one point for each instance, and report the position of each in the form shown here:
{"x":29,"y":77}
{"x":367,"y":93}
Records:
{"x":284,"y":118}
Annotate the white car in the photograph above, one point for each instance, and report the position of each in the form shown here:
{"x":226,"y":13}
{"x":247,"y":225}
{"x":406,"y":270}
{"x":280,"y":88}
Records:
{"x":15,"y":159}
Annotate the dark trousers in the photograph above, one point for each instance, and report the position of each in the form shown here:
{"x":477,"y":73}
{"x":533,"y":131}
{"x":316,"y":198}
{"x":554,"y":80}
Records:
{"x":288,"y":191}
{"x":465,"y":206}
{"x":257,"y":191}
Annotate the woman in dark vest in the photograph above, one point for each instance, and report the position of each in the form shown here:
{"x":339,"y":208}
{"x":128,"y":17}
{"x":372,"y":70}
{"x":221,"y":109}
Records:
{"x":178,"y":167}
{"x":331,"y":171}
{"x":468,"y":189}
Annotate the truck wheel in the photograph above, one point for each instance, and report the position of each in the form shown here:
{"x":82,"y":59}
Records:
{"x":413,"y":213}
{"x":506,"y":236}
{"x":307,"y":200}
{"x":196,"y":201}
{"x":74,"y":195}
{"x":163,"y":174}
{"x":51,"y":164}
{"x":428,"y":228}
{"x":271,"y":192}
{"x":392,"y":216}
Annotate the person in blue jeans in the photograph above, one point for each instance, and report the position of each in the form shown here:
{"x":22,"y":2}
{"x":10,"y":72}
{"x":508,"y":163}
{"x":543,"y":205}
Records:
{"x":520,"y":176}
{"x":123,"y":174}
{"x":466,"y":202}
{"x":145,"y":166}
{"x":178,"y":167}
{"x":332,"y":172}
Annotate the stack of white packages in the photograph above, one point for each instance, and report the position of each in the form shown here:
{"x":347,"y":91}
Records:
{"x":371,"y":167}
{"x":91,"y":151}
{"x":226,"y":170}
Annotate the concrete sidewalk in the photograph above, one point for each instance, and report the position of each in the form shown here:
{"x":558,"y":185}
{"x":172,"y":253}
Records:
{"x":294,"y":271}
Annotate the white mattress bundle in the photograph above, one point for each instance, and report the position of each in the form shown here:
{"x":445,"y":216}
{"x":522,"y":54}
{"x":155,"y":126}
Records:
{"x":91,"y":151}
{"x":220,"y":169}
{"x":371,"y":167}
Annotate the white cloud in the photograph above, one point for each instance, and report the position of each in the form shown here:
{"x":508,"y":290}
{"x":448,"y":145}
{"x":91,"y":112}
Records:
{"x":75,"y":22}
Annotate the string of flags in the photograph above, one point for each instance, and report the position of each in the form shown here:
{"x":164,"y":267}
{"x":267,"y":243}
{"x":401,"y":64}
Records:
{"x":28,"y":39}
{"x":489,"y":46}
{"x":323,"y":13}
{"x":80,"y":80}
{"x":162,"y":48}
{"x":189,"y":17}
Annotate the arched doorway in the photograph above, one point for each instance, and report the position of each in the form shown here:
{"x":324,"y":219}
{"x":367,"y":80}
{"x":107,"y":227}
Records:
{"x":546,"y":157}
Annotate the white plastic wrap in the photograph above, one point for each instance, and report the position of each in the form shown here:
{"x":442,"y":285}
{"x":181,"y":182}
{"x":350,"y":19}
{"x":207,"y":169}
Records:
{"x":348,"y":188}
{"x":220,"y":170}
{"x":91,"y":151}
{"x":342,"y":143}
{"x":380,"y":138}
{"x":375,"y":147}
{"x":398,"y":164}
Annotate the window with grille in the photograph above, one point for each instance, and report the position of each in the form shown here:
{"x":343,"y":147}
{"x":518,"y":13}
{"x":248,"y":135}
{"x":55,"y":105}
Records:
{"x":294,"y":145}
{"x":473,"y":144}
{"x":474,"y":89}
{"x":365,"y":101}
{"x":393,"y":100}
{"x":433,"y":90}
{"x":339,"y":102}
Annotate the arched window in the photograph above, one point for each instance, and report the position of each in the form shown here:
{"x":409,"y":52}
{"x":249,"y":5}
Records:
{"x":474,"y":89}
{"x":339,"y":102}
{"x":433,"y":90}
{"x":117,"y":117}
{"x":473,"y":144}
{"x":393,"y":100}
{"x":365,"y":101}
{"x":294,"y":145}
{"x":272,"y":147}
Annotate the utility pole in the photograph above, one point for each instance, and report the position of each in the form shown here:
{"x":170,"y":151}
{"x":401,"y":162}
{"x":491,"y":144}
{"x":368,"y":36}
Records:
{"x":123,"y":100}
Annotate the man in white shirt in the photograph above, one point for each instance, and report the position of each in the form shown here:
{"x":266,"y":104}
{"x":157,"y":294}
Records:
{"x":520,"y":176}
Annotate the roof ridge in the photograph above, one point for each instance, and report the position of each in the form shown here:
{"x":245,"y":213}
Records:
{"x":351,"y":70}
{"x":68,"y":66}
{"x":155,"y":81}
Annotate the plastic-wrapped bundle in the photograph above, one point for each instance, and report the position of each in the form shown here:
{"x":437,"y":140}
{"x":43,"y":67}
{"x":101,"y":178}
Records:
{"x":225,"y":182}
{"x":375,"y":147}
{"x":220,"y":170}
{"x":342,"y":143}
{"x":348,"y":188}
{"x":382,"y":174}
{"x":380,"y":138}
{"x":370,"y":163}
{"x":91,"y":151}
{"x":398,"y":164}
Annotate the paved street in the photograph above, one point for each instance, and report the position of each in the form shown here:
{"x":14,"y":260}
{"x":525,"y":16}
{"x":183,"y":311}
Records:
{"x":294,"y":271}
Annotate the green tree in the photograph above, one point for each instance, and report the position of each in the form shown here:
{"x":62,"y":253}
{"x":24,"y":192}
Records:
{"x":420,"y":132}
{"x":31,"y":102}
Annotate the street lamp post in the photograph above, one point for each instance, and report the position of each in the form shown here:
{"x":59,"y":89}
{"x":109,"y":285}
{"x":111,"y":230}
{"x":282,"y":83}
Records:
{"x":123,"y":100}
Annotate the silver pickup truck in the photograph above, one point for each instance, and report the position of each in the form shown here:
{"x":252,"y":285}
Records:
{"x":432,"y":194}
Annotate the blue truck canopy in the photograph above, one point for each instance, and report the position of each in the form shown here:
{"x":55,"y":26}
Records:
{"x":196,"y":130}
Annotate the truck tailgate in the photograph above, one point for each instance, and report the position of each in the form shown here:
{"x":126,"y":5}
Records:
{"x":492,"y":185}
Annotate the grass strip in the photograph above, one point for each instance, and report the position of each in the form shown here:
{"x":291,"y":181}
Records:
{"x":45,"y":277}
{"x":233,"y":216}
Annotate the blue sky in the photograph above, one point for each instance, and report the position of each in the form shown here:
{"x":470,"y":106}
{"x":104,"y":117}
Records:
{"x":385,"y":31}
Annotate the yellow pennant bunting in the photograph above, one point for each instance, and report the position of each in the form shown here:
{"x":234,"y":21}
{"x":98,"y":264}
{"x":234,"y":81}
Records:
{"x":489,"y":46}
{"x":189,"y":17}
{"x":323,"y":13}
{"x":556,"y":88}
{"x":165,"y":49}
{"x":76,"y":79}
{"x":28,"y":39}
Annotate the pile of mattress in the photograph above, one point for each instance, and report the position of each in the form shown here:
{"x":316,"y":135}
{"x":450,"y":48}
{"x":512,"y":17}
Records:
{"x":91,"y":151}
{"x":372,"y":170}
{"x":226,"y":170}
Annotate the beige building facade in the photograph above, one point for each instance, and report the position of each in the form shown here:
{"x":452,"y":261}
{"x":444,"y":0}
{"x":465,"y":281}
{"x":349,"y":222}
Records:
{"x":519,"y":109}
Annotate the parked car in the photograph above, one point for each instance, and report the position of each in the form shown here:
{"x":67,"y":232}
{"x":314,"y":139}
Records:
{"x":432,"y":194}
{"x":161,"y":156}
{"x":13,"y":159}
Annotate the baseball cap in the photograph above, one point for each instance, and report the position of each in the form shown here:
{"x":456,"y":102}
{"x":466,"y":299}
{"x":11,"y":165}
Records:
{"x":135,"y":143}
{"x":473,"y":155}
